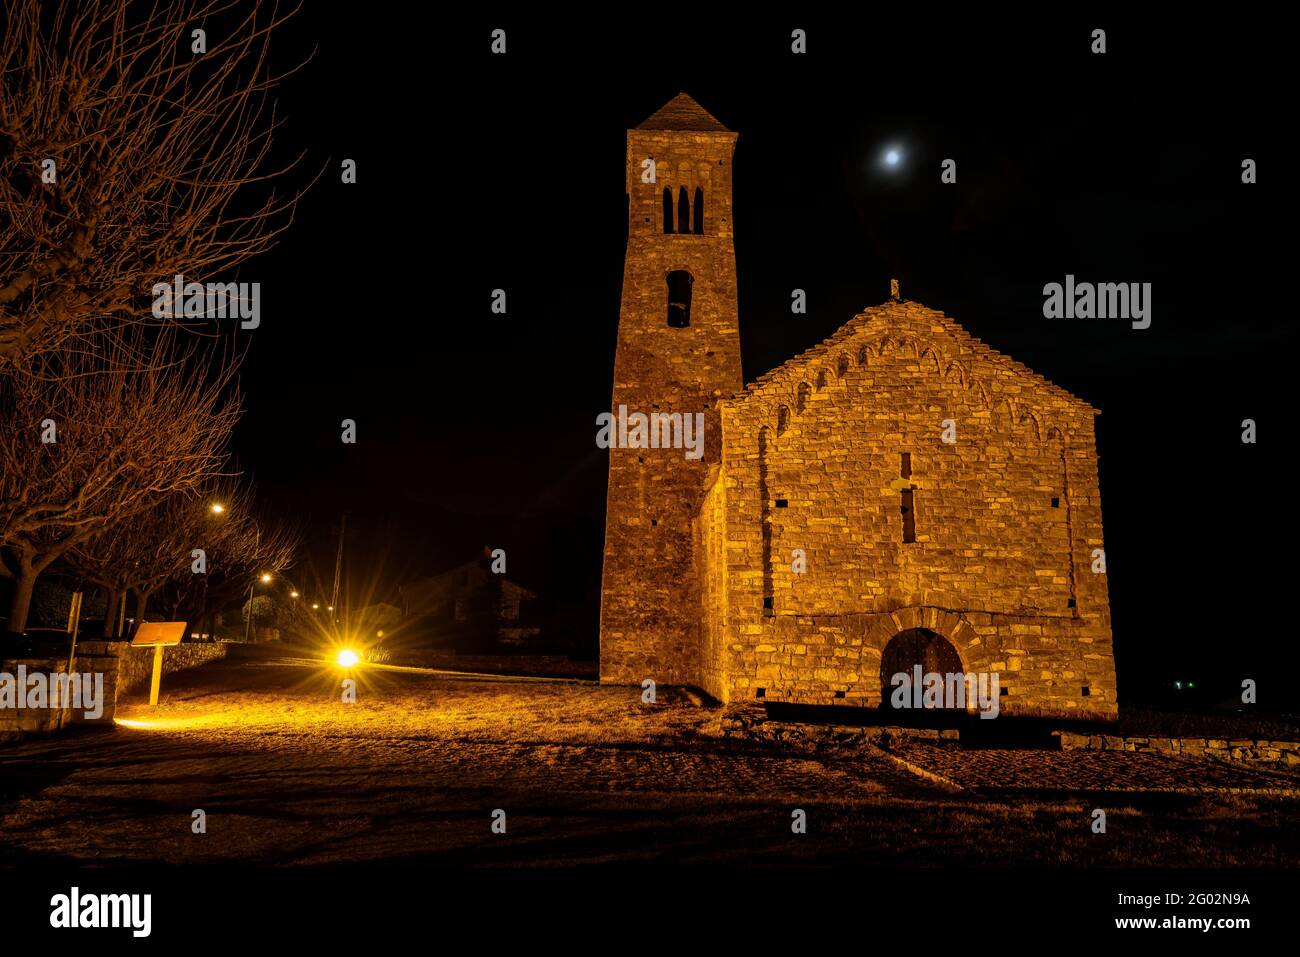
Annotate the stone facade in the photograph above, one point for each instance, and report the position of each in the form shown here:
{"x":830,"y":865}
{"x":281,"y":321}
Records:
{"x":900,"y":477}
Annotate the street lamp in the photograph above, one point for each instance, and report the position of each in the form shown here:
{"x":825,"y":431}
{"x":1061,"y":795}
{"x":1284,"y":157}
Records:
{"x":217,"y":508}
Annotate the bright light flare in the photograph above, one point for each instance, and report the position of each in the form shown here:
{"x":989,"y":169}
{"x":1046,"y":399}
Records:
{"x":347,"y":658}
{"x":266,"y":577}
{"x":217,"y":508}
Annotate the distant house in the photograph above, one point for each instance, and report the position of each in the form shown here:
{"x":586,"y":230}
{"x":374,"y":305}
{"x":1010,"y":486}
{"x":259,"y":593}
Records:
{"x":469,"y":607}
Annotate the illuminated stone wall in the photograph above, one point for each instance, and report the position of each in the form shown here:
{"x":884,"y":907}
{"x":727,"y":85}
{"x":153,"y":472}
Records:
{"x":136,"y":664}
{"x":16,"y":723}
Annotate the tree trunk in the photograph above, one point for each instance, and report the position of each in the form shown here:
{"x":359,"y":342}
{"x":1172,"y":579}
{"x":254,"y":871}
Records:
{"x":141,"y":604}
{"x":111,"y":601}
{"x":21,"y":603}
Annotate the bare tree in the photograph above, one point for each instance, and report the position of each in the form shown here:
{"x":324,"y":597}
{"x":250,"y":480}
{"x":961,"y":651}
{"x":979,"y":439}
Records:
{"x":199,"y":554}
{"x":238,"y":553}
{"x":134,"y":554}
{"x":126,"y":157}
{"x":93,"y":438}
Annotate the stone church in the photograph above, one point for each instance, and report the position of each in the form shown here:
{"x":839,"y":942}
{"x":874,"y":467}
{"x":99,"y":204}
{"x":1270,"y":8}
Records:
{"x":900,"y":494}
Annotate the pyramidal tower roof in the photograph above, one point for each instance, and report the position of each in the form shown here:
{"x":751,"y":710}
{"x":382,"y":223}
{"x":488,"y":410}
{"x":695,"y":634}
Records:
{"x":683,"y":113}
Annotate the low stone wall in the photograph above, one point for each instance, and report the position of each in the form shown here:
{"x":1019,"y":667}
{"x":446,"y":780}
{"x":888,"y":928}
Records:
{"x":753,"y":724}
{"x":135,"y":665}
{"x":1254,"y":750}
{"x":16,"y":722}
{"x":123,"y":670}
{"x":540,"y":665}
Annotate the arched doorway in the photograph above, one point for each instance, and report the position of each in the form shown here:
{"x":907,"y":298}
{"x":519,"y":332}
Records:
{"x":916,"y":646}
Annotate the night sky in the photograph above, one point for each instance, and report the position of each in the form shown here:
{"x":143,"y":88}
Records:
{"x":478,"y":172}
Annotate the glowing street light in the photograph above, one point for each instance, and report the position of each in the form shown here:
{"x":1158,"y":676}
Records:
{"x":266,"y":577}
{"x":347,"y":658}
{"x":217,"y":508}
{"x":293,"y":594}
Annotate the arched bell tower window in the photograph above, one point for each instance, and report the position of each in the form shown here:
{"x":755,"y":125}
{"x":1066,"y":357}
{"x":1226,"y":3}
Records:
{"x":683,"y":212}
{"x":668,"y":210}
{"x":699,"y":211}
{"x":679,"y":297}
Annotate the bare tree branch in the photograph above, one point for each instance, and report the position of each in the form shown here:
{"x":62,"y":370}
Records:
{"x":154,"y":148}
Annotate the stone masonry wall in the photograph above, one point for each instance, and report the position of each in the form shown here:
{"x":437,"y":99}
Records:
{"x":812,"y":461}
{"x":125,"y":670}
{"x":16,"y":723}
{"x":711,"y":570}
{"x":1283,"y":754}
{"x":136,"y":664}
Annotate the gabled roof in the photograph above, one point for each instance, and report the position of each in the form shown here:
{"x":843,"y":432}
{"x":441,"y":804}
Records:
{"x":683,"y":113}
{"x":904,"y":320}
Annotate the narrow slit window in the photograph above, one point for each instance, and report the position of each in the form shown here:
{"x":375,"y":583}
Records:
{"x":683,"y":211}
{"x":679,"y":298}
{"x":909,"y":516}
{"x":699,"y":211}
{"x":668,"y":210}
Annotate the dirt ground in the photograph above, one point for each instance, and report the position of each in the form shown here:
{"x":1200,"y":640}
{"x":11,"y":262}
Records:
{"x":288,"y":774}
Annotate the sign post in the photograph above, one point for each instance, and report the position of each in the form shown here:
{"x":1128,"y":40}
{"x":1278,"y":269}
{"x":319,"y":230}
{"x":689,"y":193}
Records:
{"x":157,"y":635}
{"x":74,"y":622}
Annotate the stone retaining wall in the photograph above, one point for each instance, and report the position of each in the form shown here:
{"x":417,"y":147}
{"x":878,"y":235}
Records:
{"x":1254,"y":750}
{"x":18,"y":722}
{"x":753,"y":724}
{"x":125,"y":670}
{"x":136,"y":664}
{"x":546,"y":665}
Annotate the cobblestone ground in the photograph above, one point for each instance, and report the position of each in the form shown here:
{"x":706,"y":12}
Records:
{"x":287,"y":774}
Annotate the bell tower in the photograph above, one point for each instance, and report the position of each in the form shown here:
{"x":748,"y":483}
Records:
{"x":678,"y":353}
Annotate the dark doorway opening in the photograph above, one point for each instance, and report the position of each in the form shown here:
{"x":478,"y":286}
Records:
{"x":907,"y":649}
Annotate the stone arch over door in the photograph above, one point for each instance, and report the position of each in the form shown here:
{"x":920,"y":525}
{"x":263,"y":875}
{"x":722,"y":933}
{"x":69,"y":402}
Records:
{"x":956,"y":645}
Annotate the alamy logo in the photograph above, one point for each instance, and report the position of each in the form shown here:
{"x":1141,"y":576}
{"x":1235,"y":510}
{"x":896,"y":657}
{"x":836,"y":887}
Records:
{"x":952,"y":691}
{"x":212,"y":300}
{"x":80,"y":692}
{"x":103,"y":910}
{"x":1105,"y":300}
{"x":658,"y":430}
